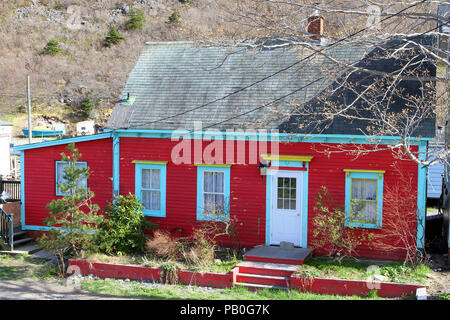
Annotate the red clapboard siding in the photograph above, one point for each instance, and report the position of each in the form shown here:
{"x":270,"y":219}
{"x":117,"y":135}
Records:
{"x":248,"y":187}
{"x":248,"y":194}
{"x":40,"y":176}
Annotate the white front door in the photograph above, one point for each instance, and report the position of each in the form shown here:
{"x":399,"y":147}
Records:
{"x":286,"y":207}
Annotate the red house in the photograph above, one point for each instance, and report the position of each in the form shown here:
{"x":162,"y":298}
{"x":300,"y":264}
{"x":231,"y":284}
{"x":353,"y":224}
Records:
{"x":199,"y":128}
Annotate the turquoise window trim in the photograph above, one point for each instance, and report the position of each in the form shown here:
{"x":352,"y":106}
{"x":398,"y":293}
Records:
{"x":364,"y":175}
{"x":56,"y":176}
{"x":161,"y":213}
{"x":200,"y":171}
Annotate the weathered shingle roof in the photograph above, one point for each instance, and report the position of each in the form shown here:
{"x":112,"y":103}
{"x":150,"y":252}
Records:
{"x":172,"y":78}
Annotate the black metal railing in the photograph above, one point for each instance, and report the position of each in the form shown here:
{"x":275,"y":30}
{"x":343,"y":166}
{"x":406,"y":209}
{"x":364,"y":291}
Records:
{"x":7,"y":229}
{"x":12,"y":187}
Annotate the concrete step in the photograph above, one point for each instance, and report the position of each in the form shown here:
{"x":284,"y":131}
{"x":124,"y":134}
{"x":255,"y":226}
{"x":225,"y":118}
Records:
{"x":277,"y":254}
{"x":22,"y":241}
{"x":28,"y":248}
{"x":262,"y":279}
{"x":251,"y":286}
{"x":19,"y":234}
{"x":266,"y":268}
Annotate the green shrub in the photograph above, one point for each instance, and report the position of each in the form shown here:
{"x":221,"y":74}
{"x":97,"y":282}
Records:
{"x":123,"y":230}
{"x":444,"y":297}
{"x":136,"y":19}
{"x":113,"y":38}
{"x":175,"y":17}
{"x":52,"y":48}
{"x":88,"y":105}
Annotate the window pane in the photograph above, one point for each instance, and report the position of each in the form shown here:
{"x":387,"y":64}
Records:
{"x":218,"y":182}
{"x":370,"y":190}
{"x":293,"y":193}
{"x":357,"y":188}
{"x":208,"y":180}
{"x":146,"y":199}
{"x":293,"y":183}
{"x":219,"y":201}
{"x":146,"y":177}
{"x":293,"y":204}
{"x":155,"y":203}
{"x":155,"y":179}
{"x":357,"y":210}
{"x":370,"y":214}
{"x":280,"y":204}
{"x":208,"y":202}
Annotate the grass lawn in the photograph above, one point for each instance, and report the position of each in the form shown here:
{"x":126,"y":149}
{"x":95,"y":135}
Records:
{"x":349,"y":269}
{"x":158,"y":291}
{"x":22,"y":266}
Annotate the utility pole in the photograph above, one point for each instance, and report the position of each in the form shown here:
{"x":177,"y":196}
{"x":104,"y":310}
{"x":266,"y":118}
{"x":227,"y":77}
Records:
{"x":29,"y":110}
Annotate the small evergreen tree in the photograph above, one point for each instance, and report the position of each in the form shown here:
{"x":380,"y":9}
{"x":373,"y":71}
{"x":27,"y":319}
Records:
{"x":73,"y":218}
{"x":88,"y":105}
{"x":52,"y":48}
{"x":136,"y":19}
{"x":113,"y":37}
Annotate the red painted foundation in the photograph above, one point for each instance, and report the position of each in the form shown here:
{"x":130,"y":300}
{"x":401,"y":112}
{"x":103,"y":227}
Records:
{"x":106,"y":270}
{"x":353,"y":287}
{"x":219,"y":280}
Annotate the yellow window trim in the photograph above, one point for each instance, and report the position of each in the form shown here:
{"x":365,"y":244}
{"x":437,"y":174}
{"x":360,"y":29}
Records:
{"x":286,"y":157}
{"x":212,"y":165}
{"x":149,"y":162}
{"x":369,"y":171}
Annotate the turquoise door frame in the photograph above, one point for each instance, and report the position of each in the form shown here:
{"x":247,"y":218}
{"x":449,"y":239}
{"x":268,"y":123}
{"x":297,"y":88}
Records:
{"x":304,"y":220}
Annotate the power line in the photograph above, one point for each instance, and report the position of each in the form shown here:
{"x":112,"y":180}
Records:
{"x":295,"y":91}
{"x":277,"y":72}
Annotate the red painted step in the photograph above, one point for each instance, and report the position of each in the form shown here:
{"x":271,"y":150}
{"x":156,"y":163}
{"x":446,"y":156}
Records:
{"x":268,"y":269}
{"x":262,"y":279}
{"x":253,"y":287}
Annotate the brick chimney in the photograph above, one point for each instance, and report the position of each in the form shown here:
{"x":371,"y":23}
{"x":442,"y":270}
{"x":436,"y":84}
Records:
{"x":315,"y":25}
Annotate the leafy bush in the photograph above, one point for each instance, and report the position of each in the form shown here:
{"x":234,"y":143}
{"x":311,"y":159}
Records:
{"x":136,"y":19}
{"x":52,"y":48}
{"x":123,"y":230}
{"x":74,"y":214}
{"x":113,"y":38}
